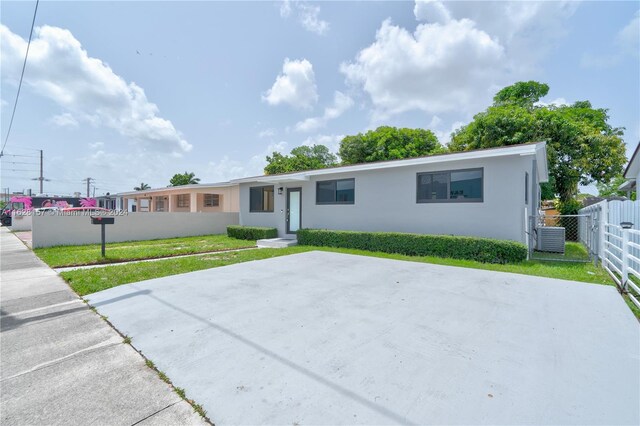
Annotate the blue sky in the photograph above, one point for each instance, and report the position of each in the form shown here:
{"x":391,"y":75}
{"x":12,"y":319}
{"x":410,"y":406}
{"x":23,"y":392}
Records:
{"x":129,"y":92}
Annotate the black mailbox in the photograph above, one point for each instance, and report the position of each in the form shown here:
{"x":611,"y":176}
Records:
{"x":102,"y":220}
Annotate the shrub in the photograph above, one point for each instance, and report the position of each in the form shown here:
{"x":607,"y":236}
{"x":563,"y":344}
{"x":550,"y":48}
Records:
{"x":251,"y":232}
{"x":470,"y":248}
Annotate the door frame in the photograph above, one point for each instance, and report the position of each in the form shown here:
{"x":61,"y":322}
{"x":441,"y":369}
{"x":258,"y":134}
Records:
{"x":287,"y":216}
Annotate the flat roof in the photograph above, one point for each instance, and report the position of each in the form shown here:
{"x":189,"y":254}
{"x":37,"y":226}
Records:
{"x":176,"y":188}
{"x":535,"y":148}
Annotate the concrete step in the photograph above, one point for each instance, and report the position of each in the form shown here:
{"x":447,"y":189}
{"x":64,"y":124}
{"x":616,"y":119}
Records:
{"x":276,"y":243}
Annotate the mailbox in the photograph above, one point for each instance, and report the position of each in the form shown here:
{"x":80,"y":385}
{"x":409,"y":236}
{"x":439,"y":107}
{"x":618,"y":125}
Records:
{"x":102,"y":221}
{"x":99,"y":220}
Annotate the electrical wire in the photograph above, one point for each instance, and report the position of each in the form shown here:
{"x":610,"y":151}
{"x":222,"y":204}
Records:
{"x":24,"y":66}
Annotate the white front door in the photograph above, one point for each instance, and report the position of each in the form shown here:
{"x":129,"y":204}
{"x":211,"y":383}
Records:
{"x":294,"y":209}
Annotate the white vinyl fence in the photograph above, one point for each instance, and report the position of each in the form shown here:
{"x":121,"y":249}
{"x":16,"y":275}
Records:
{"x":59,"y":230}
{"x":616,"y":228}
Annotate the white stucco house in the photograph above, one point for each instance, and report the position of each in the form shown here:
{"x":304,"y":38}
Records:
{"x":632,"y":173}
{"x":485,"y":193}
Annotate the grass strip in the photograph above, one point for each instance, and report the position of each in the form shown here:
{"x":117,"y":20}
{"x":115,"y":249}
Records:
{"x":62,"y":256}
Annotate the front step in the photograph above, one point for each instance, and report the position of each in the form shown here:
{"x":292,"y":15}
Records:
{"x":276,"y":243}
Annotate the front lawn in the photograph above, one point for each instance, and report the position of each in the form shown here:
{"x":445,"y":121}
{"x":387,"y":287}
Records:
{"x":85,"y":281}
{"x":61,"y":256}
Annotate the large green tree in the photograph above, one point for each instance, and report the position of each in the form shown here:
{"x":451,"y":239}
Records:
{"x":301,"y":158}
{"x":185,"y":178}
{"x":582,"y":147}
{"x":388,"y":143}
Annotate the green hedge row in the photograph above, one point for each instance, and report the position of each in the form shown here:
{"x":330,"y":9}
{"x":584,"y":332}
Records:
{"x":251,"y":232}
{"x":480,"y":249}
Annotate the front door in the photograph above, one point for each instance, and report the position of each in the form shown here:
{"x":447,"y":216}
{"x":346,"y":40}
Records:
{"x":294,"y":209}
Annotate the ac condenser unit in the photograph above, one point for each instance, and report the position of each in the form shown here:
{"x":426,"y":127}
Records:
{"x":550,"y":239}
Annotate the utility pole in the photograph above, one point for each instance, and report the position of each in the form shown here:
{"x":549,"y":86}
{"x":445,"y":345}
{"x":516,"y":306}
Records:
{"x":88,"y":180}
{"x":41,"y":178}
{"x":41,"y":175}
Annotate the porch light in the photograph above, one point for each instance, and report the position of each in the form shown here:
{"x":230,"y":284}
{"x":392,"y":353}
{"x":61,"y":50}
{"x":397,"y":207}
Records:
{"x":280,"y":190}
{"x":626,"y":225}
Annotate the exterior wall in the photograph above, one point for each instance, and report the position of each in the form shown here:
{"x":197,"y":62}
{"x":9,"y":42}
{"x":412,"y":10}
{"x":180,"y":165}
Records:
{"x":21,"y":221}
{"x":229,"y":199}
{"x":75,"y":230}
{"x":385,"y":200}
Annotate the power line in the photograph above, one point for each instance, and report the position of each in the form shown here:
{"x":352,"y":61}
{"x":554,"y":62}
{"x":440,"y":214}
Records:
{"x":24,"y":65}
{"x":18,"y":155}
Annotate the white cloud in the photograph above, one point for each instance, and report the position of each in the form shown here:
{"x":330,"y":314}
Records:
{"x":295,"y":86}
{"x":341,"y":103}
{"x":554,"y":102}
{"x":628,"y":38}
{"x":227,"y":168}
{"x":438,"y":68}
{"x":96,"y":145}
{"x":306,"y":14}
{"x":64,"y":120}
{"x":457,"y":57}
{"x":330,"y":141}
{"x":431,"y":11}
{"x":61,"y":70}
{"x":267,"y":133}
{"x":626,"y":43}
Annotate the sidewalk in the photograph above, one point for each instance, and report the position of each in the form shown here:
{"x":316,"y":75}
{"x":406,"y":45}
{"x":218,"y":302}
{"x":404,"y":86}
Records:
{"x":61,"y":364}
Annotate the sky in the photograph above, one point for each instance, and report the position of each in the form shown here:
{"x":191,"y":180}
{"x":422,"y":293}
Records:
{"x":131,"y":92}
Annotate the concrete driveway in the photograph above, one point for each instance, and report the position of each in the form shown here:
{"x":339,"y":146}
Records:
{"x":327,"y":338}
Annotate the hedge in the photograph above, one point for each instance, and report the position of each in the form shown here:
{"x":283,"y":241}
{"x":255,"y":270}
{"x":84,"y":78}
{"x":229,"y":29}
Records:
{"x":470,"y":248}
{"x":251,"y":232}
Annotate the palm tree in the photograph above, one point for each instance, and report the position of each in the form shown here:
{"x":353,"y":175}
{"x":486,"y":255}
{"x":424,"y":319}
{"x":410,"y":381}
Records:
{"x":142,"y":187}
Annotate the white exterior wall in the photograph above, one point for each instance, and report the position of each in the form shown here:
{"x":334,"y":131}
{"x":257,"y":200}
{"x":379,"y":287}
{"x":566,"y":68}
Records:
{"x":21,"y":221}
{"x":76,"y":230}
{"x":385,"y":200}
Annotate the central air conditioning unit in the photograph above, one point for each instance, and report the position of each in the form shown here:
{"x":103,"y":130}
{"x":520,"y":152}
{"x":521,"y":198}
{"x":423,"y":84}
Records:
{"x":550,"y":239}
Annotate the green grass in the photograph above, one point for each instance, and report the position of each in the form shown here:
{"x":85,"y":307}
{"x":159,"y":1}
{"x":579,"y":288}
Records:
{"x":61,"y":256}
{"x":572,"y":252}
{"x":86,"y":281}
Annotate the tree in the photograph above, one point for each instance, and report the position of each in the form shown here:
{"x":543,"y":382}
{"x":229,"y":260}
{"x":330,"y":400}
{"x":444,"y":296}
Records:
{"x":582,"y":147}
{"x":185,"y":178}
{"x":142,"y":187}
{"x":301,"y":158}
{"x":524,"y":94}
{"x":388,"y":143}
{"x":610,"y":188}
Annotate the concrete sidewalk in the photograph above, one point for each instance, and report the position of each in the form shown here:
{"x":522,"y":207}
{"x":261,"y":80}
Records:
{"x":61,"y":364}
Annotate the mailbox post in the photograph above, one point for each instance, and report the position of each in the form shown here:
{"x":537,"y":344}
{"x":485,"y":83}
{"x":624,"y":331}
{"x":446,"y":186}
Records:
{"x":102,"y":221}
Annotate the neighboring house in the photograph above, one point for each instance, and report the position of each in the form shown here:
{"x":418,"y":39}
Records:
{"x":632,"y":174}
{"x":485,"y":193}
{"x":214,"y":197}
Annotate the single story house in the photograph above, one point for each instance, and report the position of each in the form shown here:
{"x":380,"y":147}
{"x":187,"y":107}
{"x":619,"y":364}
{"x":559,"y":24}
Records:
{"x":484,"y":193}
{"x":198,"y":198}
{"x":632,"y":174}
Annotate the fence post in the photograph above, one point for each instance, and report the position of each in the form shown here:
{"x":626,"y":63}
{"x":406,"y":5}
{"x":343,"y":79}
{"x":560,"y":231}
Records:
{"x":603,"y":219}
{"x":625,"y":259}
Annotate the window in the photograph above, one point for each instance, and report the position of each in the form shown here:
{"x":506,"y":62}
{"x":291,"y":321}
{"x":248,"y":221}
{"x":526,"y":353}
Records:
{"x":450,"y":186}
{"x":211,"y":200}
{"x":159,"y":204}
{"x":261,"y":199}
{"x":526,"y":187}
{"x":335,"y":191}
{"x":183,"y":200}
